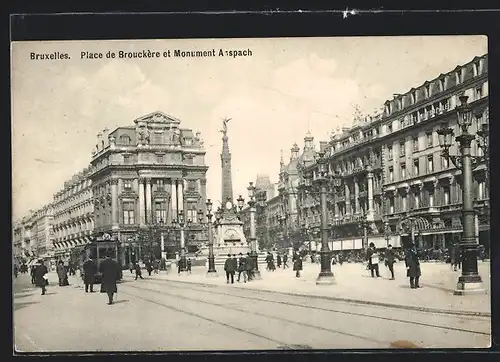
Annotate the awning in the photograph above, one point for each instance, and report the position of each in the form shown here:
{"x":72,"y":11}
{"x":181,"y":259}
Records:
{"x":438,"y":232}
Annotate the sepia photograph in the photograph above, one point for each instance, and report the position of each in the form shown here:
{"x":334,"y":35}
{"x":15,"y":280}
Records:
{"x":309,"y":193}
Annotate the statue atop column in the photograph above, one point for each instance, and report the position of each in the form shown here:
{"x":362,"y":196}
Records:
{"x":225,"y":121}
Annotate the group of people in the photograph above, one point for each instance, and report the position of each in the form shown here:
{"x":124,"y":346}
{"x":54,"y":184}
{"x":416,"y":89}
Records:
{"x":412,"y":263}
{"x":110,"y":273}
{"x":244,"y":265}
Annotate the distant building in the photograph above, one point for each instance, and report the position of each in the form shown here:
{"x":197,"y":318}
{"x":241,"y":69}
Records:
{"x":73,"y":217}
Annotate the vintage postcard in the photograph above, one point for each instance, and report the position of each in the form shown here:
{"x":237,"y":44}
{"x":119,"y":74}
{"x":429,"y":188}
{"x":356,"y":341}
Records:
{"x":251,"y":194}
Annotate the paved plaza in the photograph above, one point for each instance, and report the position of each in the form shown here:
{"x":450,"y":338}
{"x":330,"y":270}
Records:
{"x":355,"y":284}
{"x":191,"y":312}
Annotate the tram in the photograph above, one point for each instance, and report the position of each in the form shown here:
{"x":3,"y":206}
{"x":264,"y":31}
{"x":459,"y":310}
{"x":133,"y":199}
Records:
{"x":97,"y":250}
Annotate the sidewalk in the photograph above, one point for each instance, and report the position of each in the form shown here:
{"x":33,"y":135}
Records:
{"x":354,"y":284}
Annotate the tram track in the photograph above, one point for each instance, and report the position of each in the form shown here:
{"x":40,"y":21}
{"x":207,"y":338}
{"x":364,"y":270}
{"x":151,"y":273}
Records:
{"x":281,"y":344}
{"x":203,"y":289}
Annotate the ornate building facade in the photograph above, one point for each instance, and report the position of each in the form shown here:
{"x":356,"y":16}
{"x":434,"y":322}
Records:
{"x":73,"y":217}
{"x":391,"y":169}
{"x":143,"y":176}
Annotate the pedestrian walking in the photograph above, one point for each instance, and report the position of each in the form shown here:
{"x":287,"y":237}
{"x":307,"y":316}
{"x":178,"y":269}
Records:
{"x":156,"y":266}
{"x":41,"y":276}
{"x":270,"y":261}
{"x":249,"y":267}
{"x":62,"y":274}
{"x":110,"y":271}
{"x":297,"y":264}
{"x":89,"y":272}
{"x":131,"y":267}
{"x":138,"y":271}
{"x":456,"y":256}
{"x":285,"y":260}
{"x":229,"y":268}
{"x":188,"y":265}
{"x":149,"y":267}
{"x":412,"y":266}
{"x":242,"y":268}
{"x":32,"y":274}
{"x":16,"y":270}
{"x":278,"y":260}
{"x":390,"y":259}
{"x":373,"y":260}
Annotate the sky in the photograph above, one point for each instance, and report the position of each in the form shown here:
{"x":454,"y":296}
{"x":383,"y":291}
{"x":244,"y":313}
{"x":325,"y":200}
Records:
{"x":289,"y":86}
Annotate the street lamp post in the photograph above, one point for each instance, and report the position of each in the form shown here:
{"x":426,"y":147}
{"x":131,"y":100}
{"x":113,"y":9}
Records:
{"x":162,"y":241}
{"x":211,"y":258}
{"x":181,"y":222}
{"x":325,"y":276}
{"x":470,"y":281}
{"x":306,"y":230}
{"x":365,"y":224}
{"x":253,"y":231}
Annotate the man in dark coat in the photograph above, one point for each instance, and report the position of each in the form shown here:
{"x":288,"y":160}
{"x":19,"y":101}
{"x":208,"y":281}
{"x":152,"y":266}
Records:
{"x":285,"y":260}
{"x":456,"y":256}
{"x":412,"y":266}
{"x":40,"y":272}
{"x":373,"y":258}
{"x":89,"y":272}
{"x":278,"y":260}
{"x":138,"y":271}
{"x":110,"y":271}
{"x":229,"y":269}
{"x":32,"y":273}
{"x":242,"y":268}
{"x":297,"y":264}
{"x":149,"y":267}
{"x":249,"y":266}
{"x":390,"y":259}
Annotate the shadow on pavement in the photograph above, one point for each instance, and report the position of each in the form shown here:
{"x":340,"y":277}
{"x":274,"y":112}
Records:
{"x":18,"y":306}
{"x":121,"y":301}
{"x":21,"y":296}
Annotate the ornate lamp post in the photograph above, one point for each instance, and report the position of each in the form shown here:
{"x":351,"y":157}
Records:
{"x":182,"y":224}
{"x":306,"y":231}
{"x":364,"y":223}
{"x":321,"y":182}
{"x":162,"y":241}
{"x":211,"y":258}
{"x":470,"y":281}
{"x":253,"y":231}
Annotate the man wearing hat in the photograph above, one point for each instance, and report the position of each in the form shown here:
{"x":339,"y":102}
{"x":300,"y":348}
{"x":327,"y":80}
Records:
{"x":390,"y":258}
{"x":229,"y":269}
{"x":373,"y":258}
{"x":242,"y":268}
{"x":40,"y":275}
{"x":89,"y":271}
{"x":110,"y":271}
{"x":412,"y":266}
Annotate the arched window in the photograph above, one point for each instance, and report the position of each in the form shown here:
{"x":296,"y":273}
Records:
{"x":125,"y":139}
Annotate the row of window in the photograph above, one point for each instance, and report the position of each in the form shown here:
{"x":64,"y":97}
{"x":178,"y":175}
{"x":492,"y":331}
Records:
{"x":416,"y":171}
{"x":419,"y":199}
{"x":441,"y":83}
